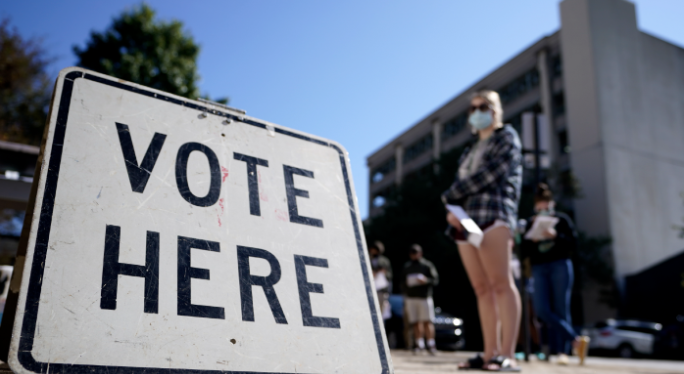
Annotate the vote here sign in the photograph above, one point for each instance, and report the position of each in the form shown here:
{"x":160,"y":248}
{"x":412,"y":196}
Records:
{"x":170,"y":235}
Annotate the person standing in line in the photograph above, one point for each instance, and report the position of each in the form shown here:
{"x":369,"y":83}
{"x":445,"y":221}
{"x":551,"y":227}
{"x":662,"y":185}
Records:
{"x":382,"y":276}
{"x":553,"y":276}
{"x":420,"y":276}
{"x":487,"y":186}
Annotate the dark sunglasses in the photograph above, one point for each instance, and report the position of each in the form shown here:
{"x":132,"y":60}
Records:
{"x":482,"y":107}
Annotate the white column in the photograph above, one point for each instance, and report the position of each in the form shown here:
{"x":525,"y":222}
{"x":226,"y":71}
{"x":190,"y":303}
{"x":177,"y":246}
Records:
{"x":436,"y":143}
{"x":546,"y":104}
{"x":436,"y":140}
{"x":399,"y":169}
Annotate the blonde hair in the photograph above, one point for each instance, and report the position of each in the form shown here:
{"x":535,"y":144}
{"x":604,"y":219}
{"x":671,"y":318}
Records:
{"x":493,"y":99}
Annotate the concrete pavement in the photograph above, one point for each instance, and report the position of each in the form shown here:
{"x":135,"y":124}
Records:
{"x":445,"y":362}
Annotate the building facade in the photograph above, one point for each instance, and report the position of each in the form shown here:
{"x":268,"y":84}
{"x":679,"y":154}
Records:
{"x":613,"y":99}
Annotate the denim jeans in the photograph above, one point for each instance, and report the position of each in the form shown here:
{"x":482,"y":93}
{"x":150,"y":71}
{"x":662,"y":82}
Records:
{"x":551,"y":299}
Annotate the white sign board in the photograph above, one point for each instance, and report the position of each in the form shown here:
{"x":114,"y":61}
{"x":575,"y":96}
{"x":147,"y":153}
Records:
{"x":5,"y":276}
{"x":174,"y":236}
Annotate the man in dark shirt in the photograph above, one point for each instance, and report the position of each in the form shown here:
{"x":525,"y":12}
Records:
{"x":420,"y":276}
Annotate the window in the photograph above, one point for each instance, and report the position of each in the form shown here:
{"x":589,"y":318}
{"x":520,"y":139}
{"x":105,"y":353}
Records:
{"x":379,"y":201}
{"x":422,"y":172}
{"x":381,"y":171}
{"x":516,"y":122}
{"x":380,"y":198}
{"x":558,"y":104}
{"x":563,"y":141}
{"x":519,"y":86}
{"x":416,"y":149}
{"x":454,"y":125}
{"x":556,"y":66}
{"x":11,"y":222}
{"x":641,"y":329}
{"x":516,"y":119}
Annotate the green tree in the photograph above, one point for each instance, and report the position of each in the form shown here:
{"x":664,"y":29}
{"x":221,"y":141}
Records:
{"x":24,"y":87}
{"x":140,"y":48}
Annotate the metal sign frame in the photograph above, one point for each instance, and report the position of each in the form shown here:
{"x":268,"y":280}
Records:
{"x":28,"y":323}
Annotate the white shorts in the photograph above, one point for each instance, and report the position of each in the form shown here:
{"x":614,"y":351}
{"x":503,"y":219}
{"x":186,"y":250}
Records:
{"x":419,"y":309}
{"x":497,"y":223}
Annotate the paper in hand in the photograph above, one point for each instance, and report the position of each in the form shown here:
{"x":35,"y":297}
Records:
{"x":473,"y":231}
{"x":540,"y":225}
{"x":415,"y":279}
{"x":381,"y":281}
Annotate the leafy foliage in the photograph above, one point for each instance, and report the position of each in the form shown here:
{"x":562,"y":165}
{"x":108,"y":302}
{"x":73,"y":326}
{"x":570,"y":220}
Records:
{"x":593,"y":262}
{"x":140,"y":48}
{"x":24,"y":87}
{"x":594,"y":258}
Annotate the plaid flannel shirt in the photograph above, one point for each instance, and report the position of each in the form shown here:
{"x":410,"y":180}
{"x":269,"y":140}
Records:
{"x":493,"y":190}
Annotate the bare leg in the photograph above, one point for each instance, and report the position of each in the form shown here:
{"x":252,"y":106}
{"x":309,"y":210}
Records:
{"x":495,"y":254}
{"x":486,"y":304}
{"x":418,"y":332}
{"x":430,"y":343}
{"x":429,"y":330}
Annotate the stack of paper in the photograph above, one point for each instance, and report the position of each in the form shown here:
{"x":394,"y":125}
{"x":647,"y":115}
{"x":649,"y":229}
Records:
{"x":473,"y":233}
{"x":381,"y":281}
{"x":539,"y":227}
{"x":415,"y":279}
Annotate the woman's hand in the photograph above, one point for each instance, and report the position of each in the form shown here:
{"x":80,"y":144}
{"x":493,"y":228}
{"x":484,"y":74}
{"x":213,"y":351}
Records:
{"x":550,"y":233}
{"x":453,"y":221}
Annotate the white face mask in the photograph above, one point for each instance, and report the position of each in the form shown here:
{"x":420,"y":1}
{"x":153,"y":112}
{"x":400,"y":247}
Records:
{"x":548,"y":211}
{"x":480,"y":120}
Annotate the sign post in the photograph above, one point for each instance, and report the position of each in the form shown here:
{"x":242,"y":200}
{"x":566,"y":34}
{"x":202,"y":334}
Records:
{"x":170,"y":235}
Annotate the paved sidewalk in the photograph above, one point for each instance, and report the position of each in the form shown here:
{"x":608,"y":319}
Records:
{"x":445,"y":362}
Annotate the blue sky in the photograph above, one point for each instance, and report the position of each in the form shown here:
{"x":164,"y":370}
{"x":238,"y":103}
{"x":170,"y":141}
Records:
{"x":357,"y":72}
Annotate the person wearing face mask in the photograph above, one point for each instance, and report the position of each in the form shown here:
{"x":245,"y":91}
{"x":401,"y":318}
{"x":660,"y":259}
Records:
{"x":487,"y":186}
{"x":553,"y":276}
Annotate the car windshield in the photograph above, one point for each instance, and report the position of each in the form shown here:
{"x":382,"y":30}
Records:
{"x":642,"y":329}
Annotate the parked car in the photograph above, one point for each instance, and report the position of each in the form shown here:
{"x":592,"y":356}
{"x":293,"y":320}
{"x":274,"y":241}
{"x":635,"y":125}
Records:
{"x":624,"y":338}
{"x":669,"y":343}
{"x":448,"y":329}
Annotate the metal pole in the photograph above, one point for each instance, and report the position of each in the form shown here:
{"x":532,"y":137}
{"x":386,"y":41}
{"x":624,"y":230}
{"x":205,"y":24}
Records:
{"x":525,"y":295}
{"x":537,"y":180}
{"x":537,"y":166}
{"x":526,"y":313}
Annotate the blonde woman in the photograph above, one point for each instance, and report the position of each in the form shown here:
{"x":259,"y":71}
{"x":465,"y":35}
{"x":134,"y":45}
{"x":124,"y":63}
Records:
{"x":488,"y":186}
